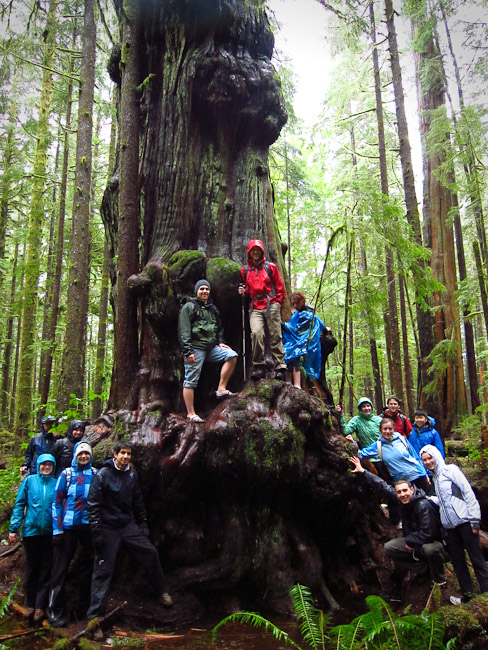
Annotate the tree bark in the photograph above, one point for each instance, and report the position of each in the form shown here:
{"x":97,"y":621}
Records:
{"x":100,"y":380}
{"x":50,"y":338}
{"x":7,"y":351}
{"x":210,"y":107}
{"x":23,"y":402}
{"x":438,"y":233}
{"x":481,"y":283}
{"x":74,"y":349}
{"x":409,"y":386}
{"x":423,"y":313}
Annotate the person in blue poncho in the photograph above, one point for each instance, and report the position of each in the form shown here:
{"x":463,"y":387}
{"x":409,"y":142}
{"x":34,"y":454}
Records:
{"x":301,"y":340}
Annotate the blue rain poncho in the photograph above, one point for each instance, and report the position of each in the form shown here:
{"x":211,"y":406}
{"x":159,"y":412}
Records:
{"x":296,"y":337}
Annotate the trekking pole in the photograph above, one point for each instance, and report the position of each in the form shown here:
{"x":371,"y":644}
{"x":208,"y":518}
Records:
{"x":244,"y":337}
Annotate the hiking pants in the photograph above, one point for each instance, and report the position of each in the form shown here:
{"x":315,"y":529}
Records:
{"x":460,"y":539}
{"x":80,"y":573}
{"x":431,"y":554}
{"x":132,"y":538}
{"x":38,"y":555}
{"x":257,"y":321}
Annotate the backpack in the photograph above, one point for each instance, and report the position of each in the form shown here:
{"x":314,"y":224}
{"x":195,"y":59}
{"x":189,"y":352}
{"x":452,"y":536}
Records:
{"x":266,"y":268}
{"x":380,"y":447}
{"x":402,"y":418}
{"x":69,"y":474}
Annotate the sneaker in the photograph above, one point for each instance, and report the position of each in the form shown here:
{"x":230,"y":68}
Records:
{"x":194,"y":418}
{"x":455,"y":600}
{"x":57,"y":622}
{"x":258,"y":372}
{"x":166,"y":600}
{"x":224,"y":394}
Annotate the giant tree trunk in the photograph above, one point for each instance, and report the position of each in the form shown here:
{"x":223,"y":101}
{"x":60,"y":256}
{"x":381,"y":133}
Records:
{"x":258,"y":497}
{"x":210,"y":107}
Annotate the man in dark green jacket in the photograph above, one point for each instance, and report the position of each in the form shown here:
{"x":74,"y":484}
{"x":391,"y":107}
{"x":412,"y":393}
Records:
{"x":202,"y":339}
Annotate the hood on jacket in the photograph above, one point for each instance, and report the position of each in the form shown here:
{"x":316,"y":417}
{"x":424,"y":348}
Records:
{"x":44,"y":458}
{"x":436,"y":455}
{"x":45,"y":420}
{"x":74,"y":463}
{"x":361,"y":402}
{"x":252,"y":244}
{"x":75,"y":424}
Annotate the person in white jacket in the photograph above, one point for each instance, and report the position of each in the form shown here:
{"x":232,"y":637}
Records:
{"x":460,"y":516}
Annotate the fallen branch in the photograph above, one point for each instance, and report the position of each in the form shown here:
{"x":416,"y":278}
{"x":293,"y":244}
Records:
{"x":96,"y":622}
{"x":10,"y":551}
{"x":15,"y":635}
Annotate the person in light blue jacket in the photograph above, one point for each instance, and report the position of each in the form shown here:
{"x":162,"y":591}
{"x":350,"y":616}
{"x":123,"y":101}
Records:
{"x":32,"y":513}
{"x":400,"y":458}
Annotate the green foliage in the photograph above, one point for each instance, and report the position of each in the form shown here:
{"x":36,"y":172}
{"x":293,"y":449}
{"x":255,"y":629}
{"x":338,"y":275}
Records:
{"x":381,"y":628}
{"x":255,"y":620}
{"x":9,"y":480}
{"x":5,"y":603}
{"x":313,"y":621}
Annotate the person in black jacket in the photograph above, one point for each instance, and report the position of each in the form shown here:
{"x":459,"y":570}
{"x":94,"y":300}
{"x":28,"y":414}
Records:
{"x":117,"y":516}
{"x":420,"y":545}
{"x":63,"y":447}
{"x":42,"y":443}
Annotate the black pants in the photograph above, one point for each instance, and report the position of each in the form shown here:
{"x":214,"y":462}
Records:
{"x":38,"y":556}
{"x":81,"y":573}
{"x":132,"y":538}
{"x":422,"y":482}
{"x":460,"y":539}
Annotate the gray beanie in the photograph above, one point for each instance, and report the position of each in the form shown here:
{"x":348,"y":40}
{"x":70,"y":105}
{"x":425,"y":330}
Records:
{"x":201,"y":283}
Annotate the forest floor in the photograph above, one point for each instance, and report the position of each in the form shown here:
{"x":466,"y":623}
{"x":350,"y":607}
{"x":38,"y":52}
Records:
{"x":148,"y":625}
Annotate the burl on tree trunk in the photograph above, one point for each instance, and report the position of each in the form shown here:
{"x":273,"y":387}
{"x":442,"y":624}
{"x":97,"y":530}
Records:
{"x":258,"y":497}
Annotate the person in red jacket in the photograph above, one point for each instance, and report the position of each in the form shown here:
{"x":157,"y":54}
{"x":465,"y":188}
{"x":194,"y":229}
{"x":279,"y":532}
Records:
{"x":402,"y":423}
{"x":262,"y":283}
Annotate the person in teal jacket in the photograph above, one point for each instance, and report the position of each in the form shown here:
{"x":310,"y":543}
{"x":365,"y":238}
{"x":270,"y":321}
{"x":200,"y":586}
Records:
{"x":32,"y":512}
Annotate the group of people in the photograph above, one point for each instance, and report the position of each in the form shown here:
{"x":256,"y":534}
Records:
{"x":291,"y":344}
{"x":439,"y":513}
{"x":84,"y":511}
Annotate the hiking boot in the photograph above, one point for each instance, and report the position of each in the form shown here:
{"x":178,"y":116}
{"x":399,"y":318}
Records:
{"x":165,"y":600}
{"x":258,"y":372}
{"x":57,"y":622}
{"x":28,"y":612}
{"x":39,"y":615}
{"x":280,"y":374}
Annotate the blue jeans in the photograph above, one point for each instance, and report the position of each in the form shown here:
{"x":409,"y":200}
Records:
{"x":215,"y":355}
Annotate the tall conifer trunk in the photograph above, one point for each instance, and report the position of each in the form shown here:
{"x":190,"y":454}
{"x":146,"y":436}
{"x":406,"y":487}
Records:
{"x":23,"y":402}
{"x":438,"y":232}
{"x":72,"y":380}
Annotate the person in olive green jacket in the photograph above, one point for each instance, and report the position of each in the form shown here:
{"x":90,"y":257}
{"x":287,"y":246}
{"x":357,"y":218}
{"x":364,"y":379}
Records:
{"x":201,"y":339}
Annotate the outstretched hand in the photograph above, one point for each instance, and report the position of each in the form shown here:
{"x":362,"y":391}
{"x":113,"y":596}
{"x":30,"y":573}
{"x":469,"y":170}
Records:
{"x":358,"y":468}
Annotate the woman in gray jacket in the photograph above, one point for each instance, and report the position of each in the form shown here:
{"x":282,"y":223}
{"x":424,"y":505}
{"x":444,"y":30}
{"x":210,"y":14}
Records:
{"x":460,"y":516}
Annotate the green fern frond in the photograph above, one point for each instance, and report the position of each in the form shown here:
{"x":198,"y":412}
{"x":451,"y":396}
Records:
{"x":5,"y":604}
{"x":256,"y":620}
{"x":346,"y":637}
{"x":308,"y":616}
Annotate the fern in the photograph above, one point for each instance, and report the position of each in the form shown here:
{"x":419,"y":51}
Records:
{"x":5,"y":604}
{"x":312,"y":621}
{"x":256,"y":620}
